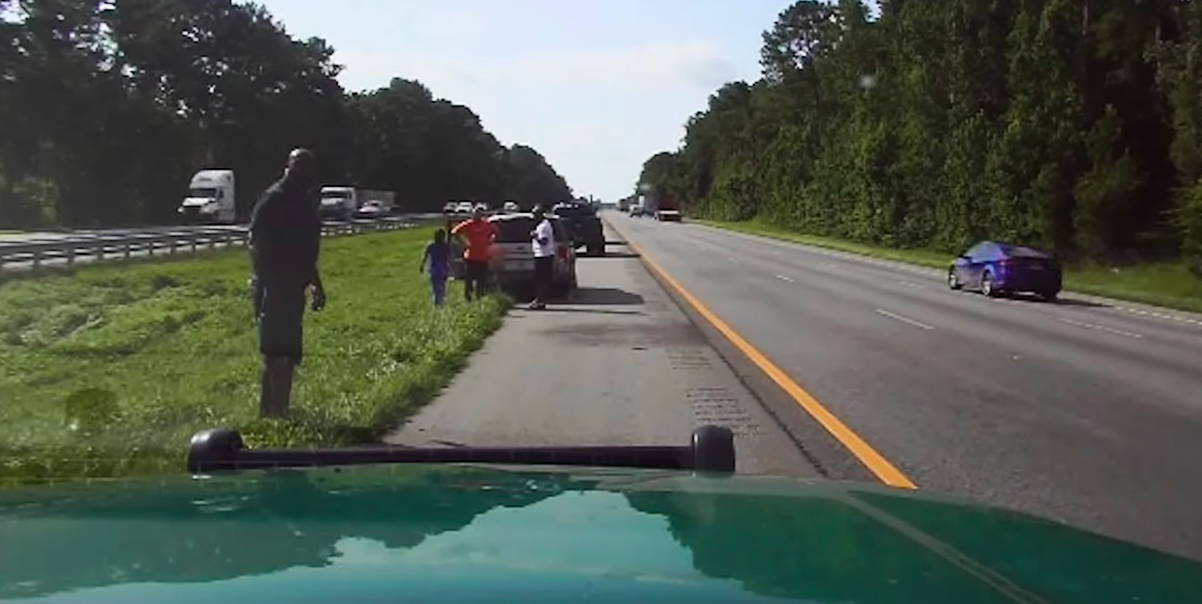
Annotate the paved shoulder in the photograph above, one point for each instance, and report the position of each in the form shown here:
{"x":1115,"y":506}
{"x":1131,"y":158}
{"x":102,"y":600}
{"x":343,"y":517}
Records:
{"x":618,"y":364}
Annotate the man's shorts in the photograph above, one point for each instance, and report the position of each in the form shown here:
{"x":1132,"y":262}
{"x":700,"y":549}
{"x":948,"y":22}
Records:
{"x":280,"y":313}
{"x":544,"y":269}
{"x":477,"y":270}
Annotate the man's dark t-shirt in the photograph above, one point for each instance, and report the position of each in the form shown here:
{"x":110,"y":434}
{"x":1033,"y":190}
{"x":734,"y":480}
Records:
{"x":285,"y":235}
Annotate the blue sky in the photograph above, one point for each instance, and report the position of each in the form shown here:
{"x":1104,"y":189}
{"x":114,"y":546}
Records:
{"x":596,"y":86}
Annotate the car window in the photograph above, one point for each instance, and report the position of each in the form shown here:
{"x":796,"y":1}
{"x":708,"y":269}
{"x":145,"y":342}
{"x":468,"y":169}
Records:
{"x":572,"y":211}
{"x":561,"y":230}
{"x":1018,"y":251}
{"x":515,"y":230}
{"x":974,"y":252}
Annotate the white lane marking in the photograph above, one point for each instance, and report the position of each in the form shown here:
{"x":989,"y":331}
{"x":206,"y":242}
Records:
{"x":735,"y":260}
{"x":1158,"y":315}
{"x":1117,"y":332}
{"x":784,"y":278}
{"x":914,"y":285}
{"x":907,"y":320}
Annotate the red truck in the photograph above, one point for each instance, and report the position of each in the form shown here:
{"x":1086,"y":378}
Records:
{"x":667,"y":209}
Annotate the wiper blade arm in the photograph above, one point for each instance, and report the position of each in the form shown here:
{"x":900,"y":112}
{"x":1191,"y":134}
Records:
{"x":222,"y":450}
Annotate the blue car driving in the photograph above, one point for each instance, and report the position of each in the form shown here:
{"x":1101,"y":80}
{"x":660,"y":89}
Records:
{"x":996,"y":268}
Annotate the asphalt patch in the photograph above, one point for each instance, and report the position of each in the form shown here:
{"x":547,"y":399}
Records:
{"x":668,"y":335}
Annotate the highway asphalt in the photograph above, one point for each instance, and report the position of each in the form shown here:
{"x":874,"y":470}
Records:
{"x":1085,"y":411}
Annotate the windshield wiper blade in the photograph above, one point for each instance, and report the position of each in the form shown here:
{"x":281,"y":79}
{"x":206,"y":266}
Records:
{"x":222,"y":450}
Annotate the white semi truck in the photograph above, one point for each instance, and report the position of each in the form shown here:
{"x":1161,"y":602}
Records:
{"x":210,"y":198}
{"x":342,"y":202}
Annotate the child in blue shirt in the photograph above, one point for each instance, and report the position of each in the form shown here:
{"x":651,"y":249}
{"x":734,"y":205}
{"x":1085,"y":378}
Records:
{"x":438,"y":257}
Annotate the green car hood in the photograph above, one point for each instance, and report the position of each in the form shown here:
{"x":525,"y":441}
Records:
{"x":452,"y":534}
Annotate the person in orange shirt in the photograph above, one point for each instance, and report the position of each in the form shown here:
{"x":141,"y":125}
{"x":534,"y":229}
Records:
{"x":478,"y":233}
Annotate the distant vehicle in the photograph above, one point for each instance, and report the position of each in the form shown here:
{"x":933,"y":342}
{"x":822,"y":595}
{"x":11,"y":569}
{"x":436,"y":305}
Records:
{"x":667,"y":210}
{"x":584,"y":225}
{"x":343,"y":202}
{"x":480,"y":206}
{"x":513,"y":256}
{"x":637,"y":210}
{"x":450,"y":207}
{"x":386,"y":200}
{"x":464,"y":207}
{"x":338,"y":202}
{"x":996,"y":268}
{"x":210,"y":198}
{"x":372,"y":209}
{"x":511,"y":206}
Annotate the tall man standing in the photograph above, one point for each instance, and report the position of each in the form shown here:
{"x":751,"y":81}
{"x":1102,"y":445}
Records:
{"x":479,"y":234}
{"x":542,"y":239}
{"x":285,"y":240}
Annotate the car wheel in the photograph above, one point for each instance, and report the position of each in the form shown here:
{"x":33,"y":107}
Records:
{"x":988,"y":287}
{"x":952,"y":280}
{"x":1049,"y":296}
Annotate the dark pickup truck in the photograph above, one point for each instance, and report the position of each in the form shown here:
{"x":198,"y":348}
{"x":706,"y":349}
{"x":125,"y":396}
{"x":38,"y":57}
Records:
{"x":585,"y":226}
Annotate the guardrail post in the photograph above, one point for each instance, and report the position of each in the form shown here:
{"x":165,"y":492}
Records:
{"x":125,"y":248}
{"x":37,"y":258}
{"x":70,"y":255}
{"x":100,"y":252}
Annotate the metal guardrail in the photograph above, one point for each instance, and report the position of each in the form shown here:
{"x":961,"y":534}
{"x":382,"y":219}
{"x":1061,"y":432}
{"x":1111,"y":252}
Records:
{"x":32,"y":254}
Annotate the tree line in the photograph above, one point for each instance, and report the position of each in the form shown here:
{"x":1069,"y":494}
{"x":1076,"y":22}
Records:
{"x":1075,"y":125}
{"x":107,"y":107}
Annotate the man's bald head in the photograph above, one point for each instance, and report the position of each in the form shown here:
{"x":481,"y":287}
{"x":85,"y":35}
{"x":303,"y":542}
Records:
{"x":302,"y":166}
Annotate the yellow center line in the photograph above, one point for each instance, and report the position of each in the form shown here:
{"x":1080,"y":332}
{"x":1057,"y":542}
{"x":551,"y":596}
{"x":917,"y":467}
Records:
{"x":875,"y":462}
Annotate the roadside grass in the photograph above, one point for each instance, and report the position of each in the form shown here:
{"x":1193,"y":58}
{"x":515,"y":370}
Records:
{"x":108,"y":371}
{"x":1169,"y":285}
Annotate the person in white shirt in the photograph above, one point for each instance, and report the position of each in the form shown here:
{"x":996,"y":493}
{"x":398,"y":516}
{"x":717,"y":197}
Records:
{"x":542,"y":239}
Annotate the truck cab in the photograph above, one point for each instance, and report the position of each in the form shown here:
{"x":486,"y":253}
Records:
{"x":339,"y":203}
{"x":668,"y":210}
{"x":210,"y":198}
